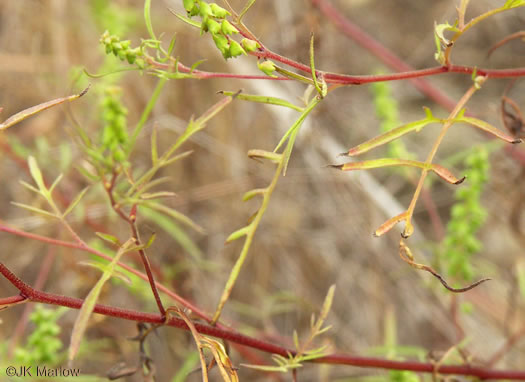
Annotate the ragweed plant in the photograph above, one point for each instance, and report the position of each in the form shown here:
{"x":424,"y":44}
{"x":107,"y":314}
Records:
{"x":467,"y":216}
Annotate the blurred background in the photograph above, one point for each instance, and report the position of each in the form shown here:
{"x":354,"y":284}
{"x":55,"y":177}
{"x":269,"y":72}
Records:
{"x":318,"y":228}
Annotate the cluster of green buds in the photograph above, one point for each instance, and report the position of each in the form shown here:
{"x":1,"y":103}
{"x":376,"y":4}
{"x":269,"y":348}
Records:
{"x":214,"y":21}
{"x":114,"y":134}
{"x":123,"y":49}
{"x":44,"y":342}
{"x":467,"y":217}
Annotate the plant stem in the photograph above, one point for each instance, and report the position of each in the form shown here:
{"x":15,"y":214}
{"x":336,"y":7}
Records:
{"x":448,"y":123}
{"x":28,"y":293}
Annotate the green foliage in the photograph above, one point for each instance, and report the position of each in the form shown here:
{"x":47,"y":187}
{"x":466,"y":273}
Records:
{"x":123,"y":49}
{"x":213,"y":20}
{"x":43,"y":344}
{"x":303,"y":352}
{"x":114,"y":138}
{"x":467,"y":216}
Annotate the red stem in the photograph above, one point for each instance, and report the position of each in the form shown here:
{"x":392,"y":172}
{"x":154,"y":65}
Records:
{"x":230,"y":335}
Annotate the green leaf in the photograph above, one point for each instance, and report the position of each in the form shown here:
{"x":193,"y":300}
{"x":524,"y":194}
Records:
{"x":109,"y":238}
{"x":263,"y":99}
{"x":36,"y":174}
{"x":487,"y":127}
{"x":173,"y":213}
{"x":34,"y":209}
{"x":147,"y":19}
{"x":89,"y":303}
{"x":393,"y":134}
{"x":253,"y":193}
{"x":175,"y":231}
{"x":389,"y":162}
{"x":238,"y":234}
{"x":29,"y":187}
{"x":103,"y":268}
{"x":74,"y":203}
{"x":189,"y":21}
{"x":263,"y":154}
{"x":514,"y":4}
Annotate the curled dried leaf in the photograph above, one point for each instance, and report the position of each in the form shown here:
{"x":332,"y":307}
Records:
{"x":406,"y":256}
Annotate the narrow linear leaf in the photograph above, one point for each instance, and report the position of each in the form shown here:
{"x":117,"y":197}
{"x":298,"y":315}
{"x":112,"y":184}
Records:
{"x":263,"y":99}
{"x":262,"y":154}
{"x":157,"y":195}
{"x":187,"y":20}
{"x":109,"y":238}
{"x":253,"y":193}
{"x":55,"y":183}
{"x":238,"y":234}
{"x":74,"y":203}
{"x":35,"y":209}
{"x":390,"y":162}
{"x":26,"y":113}
{"x":173,"y":229}
{"x":154,"y":147}
{"x":391,"y":135}
{"x":36,"y":174}
{"x":390,"y":223}
{"x":147,"y":19}
{"x":103,"y":268}
{"x":175,"y":215}
{"x":89,"y":303}
{"x":327,"y":304}
{"x":29,"y":187}
{"x":487,"y":127}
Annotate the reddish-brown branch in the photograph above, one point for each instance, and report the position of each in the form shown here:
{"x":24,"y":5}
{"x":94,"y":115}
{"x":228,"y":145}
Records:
{"x":135,"y":234}
{"x":230,"y":335}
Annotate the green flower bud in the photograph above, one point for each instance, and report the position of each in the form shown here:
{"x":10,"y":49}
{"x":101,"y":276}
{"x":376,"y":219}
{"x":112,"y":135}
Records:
{"x":125,"y":44}
{"x":219,"y":12}
{"x":194,"y":11}
{"x":140,"y":63}
{"x":236,"y":49}
{"x":121,"y":54}
{"x":267,"y":67}
{"x":213,"y":26}
{"x":227,"y":28}
{"x":205,"y":9}
{"x":249,"y":45}
{"x":222,"y":44}
{"x":188,"y":5}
